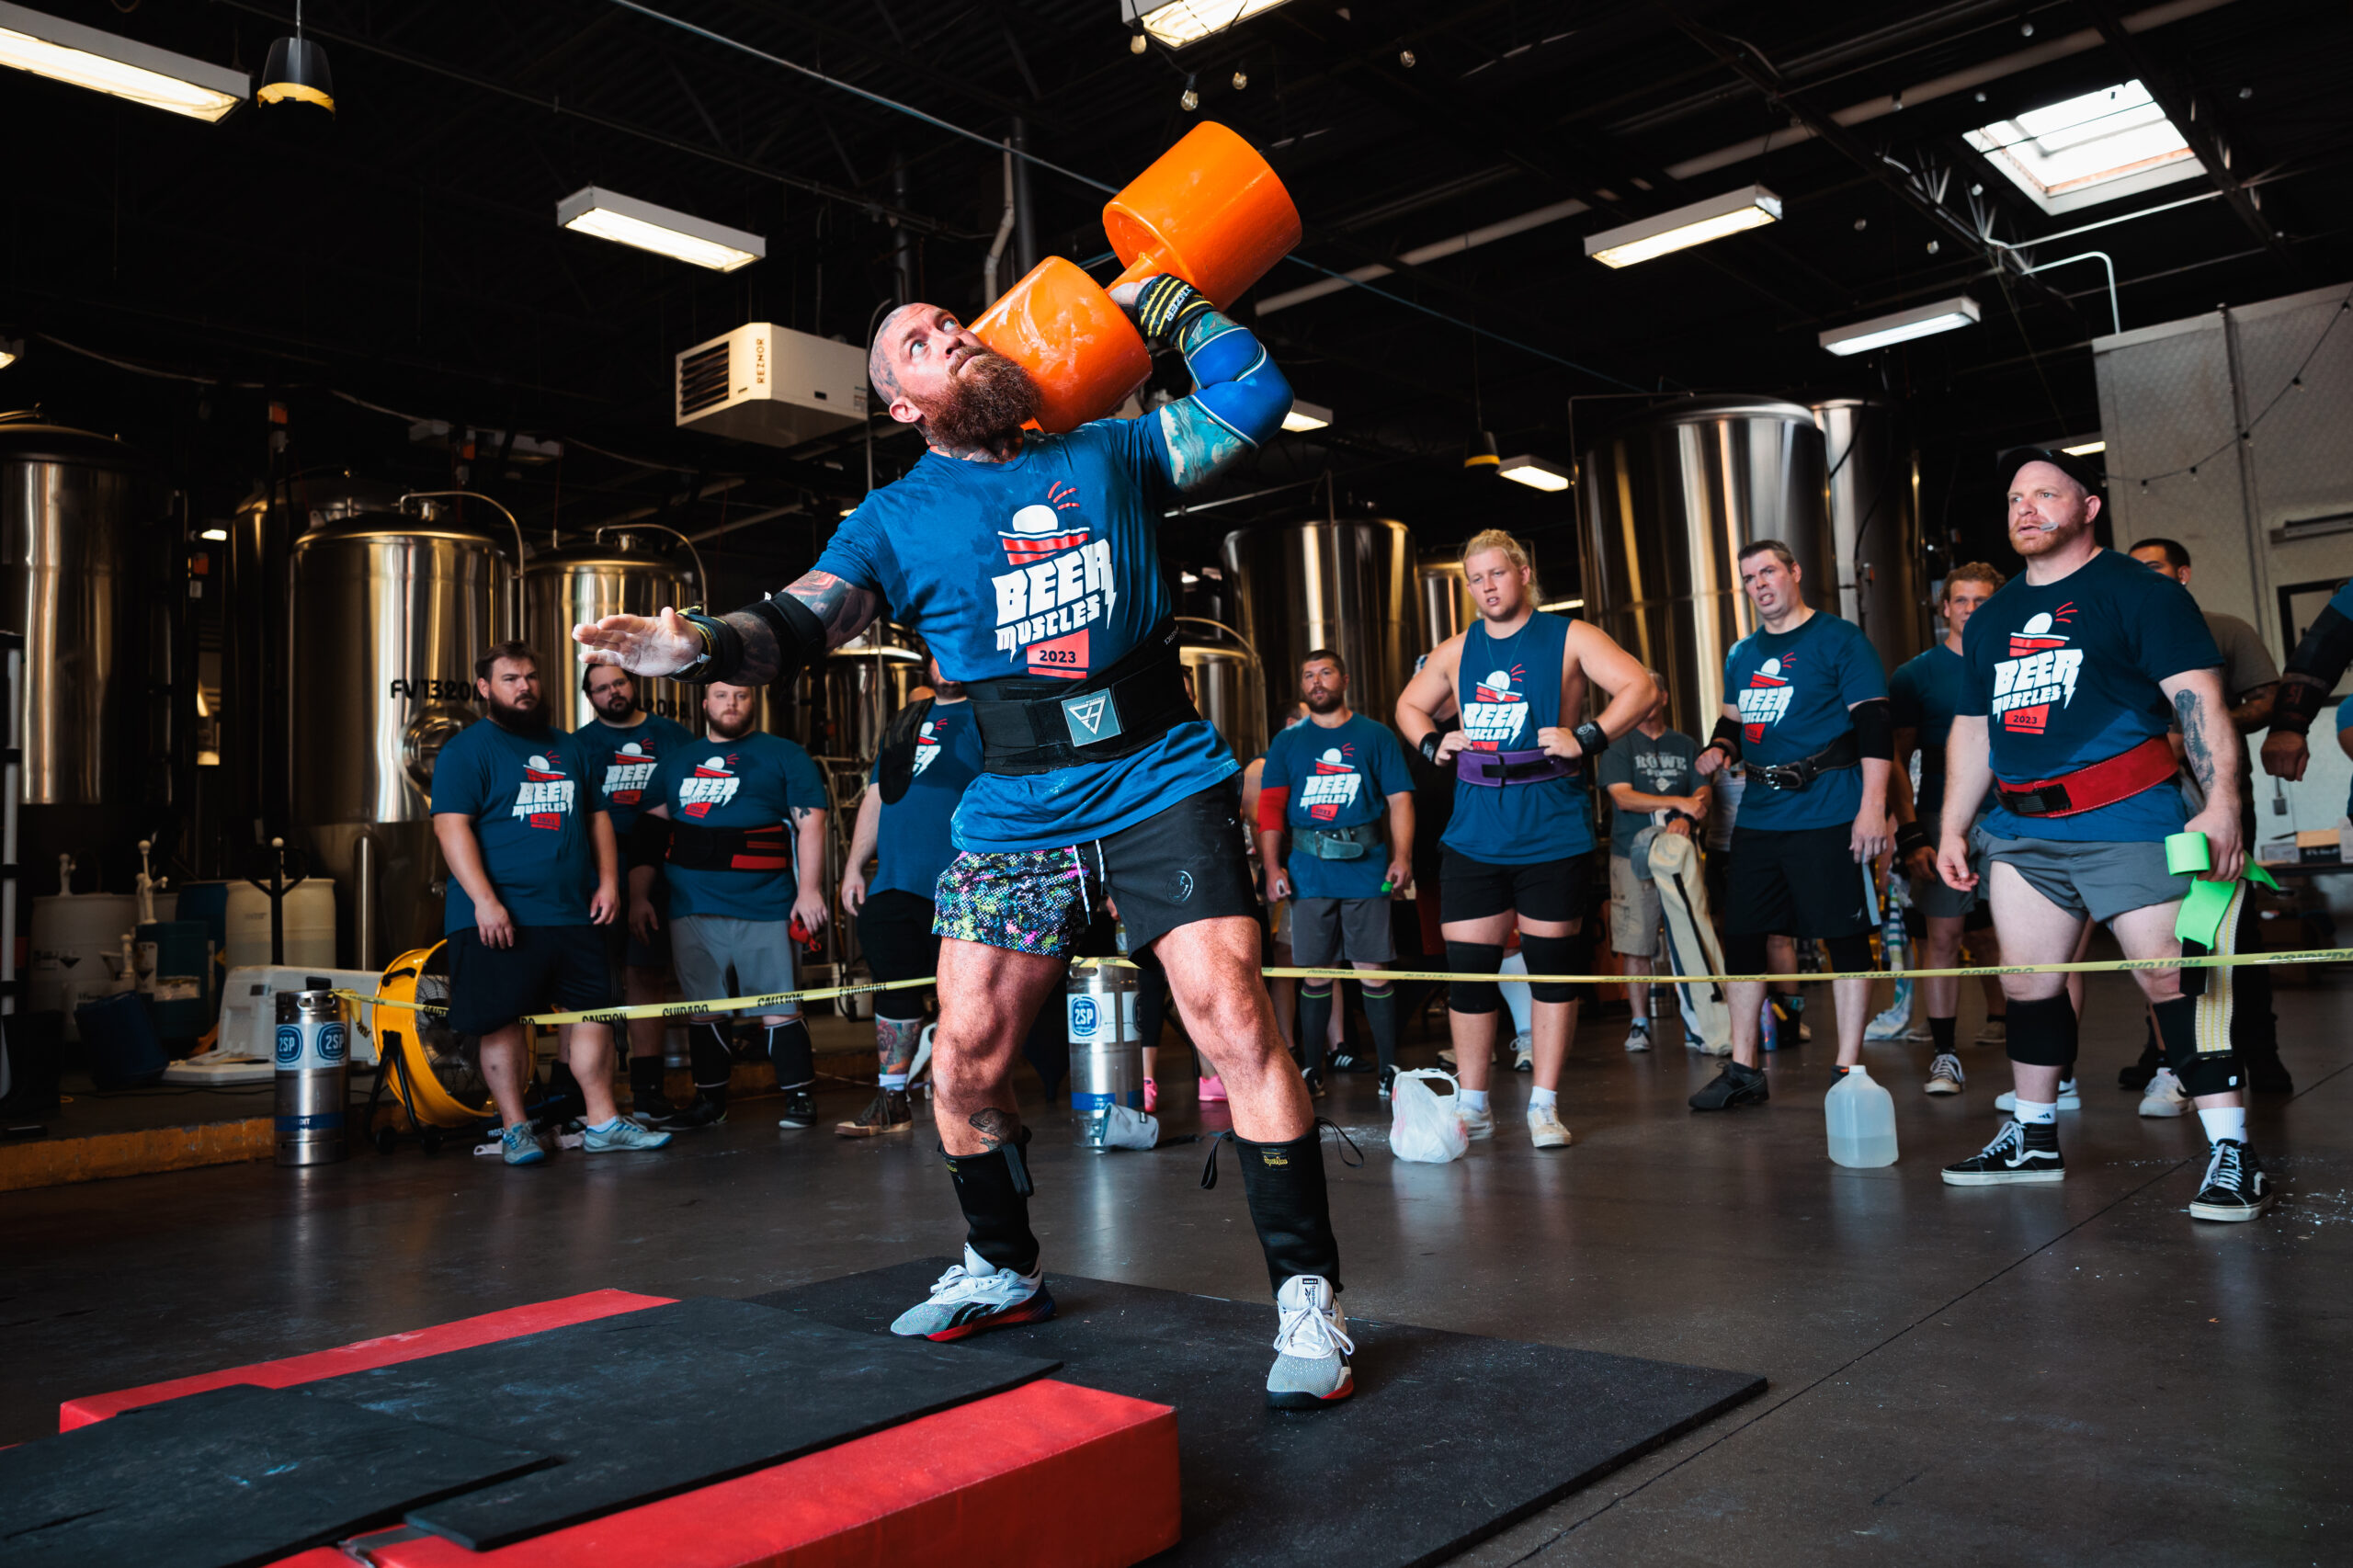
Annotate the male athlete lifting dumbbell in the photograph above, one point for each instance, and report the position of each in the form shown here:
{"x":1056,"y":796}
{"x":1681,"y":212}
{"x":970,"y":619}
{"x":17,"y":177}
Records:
{"x":1029,"y":562}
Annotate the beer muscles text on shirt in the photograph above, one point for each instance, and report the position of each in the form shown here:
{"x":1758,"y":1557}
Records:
{"x":530,"y":798}
{"x":1794,"y":691}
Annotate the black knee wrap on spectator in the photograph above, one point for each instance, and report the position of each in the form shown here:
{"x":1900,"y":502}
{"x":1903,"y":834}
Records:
{"x":2043,"y":1034}
{"x":1556,"y":955}
{"x":1746,"y":954}
{"x":2178,"y":1032}
{"x":1850,"y":955}
{"x":1474,"y":958}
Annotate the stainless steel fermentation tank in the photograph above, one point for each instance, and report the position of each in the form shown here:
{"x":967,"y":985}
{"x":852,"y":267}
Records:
{"x":68,"y":507}
{"x":1666,"y":501}
{"x":1229,"y":684}
{"x":1445,"y":601}
{"x":1874,"y":498}
{"x":391,"y":609}
{"x":625,"y":571}
{"x":1346,"y":583}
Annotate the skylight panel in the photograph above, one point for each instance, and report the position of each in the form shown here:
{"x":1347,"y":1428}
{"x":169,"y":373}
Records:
{"x":2096,"y":148}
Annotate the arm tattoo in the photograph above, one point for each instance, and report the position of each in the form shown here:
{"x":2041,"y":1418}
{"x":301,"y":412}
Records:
{"x":844,"y":608}
{"x":801,"y":814}
{"x":998,"y":1128}
{"x":2194,"y":743}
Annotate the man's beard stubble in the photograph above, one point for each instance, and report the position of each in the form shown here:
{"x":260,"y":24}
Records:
{"x":522,"y":721}
{"x":720,"y":730}
{"x":984,"y":406}
{"x":1325,"y":701}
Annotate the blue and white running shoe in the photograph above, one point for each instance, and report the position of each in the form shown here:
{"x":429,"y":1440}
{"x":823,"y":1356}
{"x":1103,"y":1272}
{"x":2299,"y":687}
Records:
{"x":973,"y":1296}
{"x":1312,"y":1347}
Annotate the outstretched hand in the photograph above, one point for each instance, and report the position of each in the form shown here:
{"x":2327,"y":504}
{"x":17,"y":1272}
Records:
{"x":660,"y":645}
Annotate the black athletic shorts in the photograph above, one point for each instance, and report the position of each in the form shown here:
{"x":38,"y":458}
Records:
{"x":1546,"y":889}
{"x":548,"y":968}
{"x":894,"y":932}
{"x":1188,"y":864}
{"x":1800,"y":883}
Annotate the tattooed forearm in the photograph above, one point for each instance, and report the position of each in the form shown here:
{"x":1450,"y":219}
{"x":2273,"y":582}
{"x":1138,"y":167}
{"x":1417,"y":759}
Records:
{"x":842,"y":608}
{"x":763,"y":661}
{"x":998,"y":1128}
{"x":2195,"y":747}
{"x":2210,"y":746}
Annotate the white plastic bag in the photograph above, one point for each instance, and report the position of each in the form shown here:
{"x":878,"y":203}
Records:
{"x":1423,"y":1128}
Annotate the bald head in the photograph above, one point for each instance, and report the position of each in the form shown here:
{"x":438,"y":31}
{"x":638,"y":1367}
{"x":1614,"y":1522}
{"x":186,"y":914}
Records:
{"x":932,"y":372}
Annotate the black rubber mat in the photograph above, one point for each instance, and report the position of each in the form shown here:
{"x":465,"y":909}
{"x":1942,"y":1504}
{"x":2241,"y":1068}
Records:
{"x":647,"y":1403}
{"x":1450,"y":1437}
{"x":228,"y":1477}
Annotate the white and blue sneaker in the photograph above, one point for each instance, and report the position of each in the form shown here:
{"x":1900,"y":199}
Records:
{"x":622,"y":1133}
{"x":2070,"y":1097}
{"x":1312,"y":1347}
{"x":973,"y":1296}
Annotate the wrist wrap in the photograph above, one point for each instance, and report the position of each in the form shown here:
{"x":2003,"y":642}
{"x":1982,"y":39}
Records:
{"x":1726,"y":739}
{"x":1592,"y":739}
{"x":1162,"y":307}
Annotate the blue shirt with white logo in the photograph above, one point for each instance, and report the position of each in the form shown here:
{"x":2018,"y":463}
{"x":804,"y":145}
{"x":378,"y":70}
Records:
{"x":2344,"y":722}
{"x":1508,"y":688}
{"x":914,"y":840}
{"x":754,"y":780}
{"x":2065,"y":675}
{"x":530,"y":796}
{"x":623,"y":761}
{"x":1043,"y":568}
{"x":1920,"y":696}
{"x":1793,"y":689}
{"x":1340,"y":777}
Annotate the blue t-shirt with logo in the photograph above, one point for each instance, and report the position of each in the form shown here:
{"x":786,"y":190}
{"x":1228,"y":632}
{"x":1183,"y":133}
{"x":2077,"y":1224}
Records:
{"x":2065,"y":674}
{"x":1507,"y":689}
{"x":1793,"y":690}
{"x":913,"y":841}
{"x":1340,"y":777}
{"x":1043,"y":568}
{"x":754,"y":780}
{"x":623,"y":761}
{"x":1920,"y":696}
{"x":2344,"y":722}
{"x":531,"y":796}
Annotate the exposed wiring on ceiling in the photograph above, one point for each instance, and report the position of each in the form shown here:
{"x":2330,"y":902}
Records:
{"x":139,"y":369}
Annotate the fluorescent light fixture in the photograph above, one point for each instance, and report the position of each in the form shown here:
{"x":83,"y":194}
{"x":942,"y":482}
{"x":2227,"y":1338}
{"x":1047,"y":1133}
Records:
{"x":1748,"y":208}
{"x":1304,"y":417}
{"x":11,"y":351}
{"x":2086,"y":448}
{"x":1559,"y":605}
{"x":678,"y":235}
{"x":108,"y":62}
{"x":2088,"y":150}
{"x":1921,"y":320}
{"x":216,"y":536}
{"x":1534,"y":472}
{"x":1179,"y":22}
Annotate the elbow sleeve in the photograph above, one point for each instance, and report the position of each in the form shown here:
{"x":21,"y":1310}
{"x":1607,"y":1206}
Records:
{"x":1272,"y":803}
{"x":1875,"y":731}
{"x":2312,"y":670}
{"x":649,"y":840}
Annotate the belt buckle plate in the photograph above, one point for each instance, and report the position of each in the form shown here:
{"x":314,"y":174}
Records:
{"x":1090,"y":717}
{"x":1780,"y":776}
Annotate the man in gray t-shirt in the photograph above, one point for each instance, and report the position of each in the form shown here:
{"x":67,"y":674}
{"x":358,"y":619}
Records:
{"x":1649,"y":768}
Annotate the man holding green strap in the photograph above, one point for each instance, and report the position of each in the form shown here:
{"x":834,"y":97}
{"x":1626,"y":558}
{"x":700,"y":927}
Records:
{"x":2074,"y":672}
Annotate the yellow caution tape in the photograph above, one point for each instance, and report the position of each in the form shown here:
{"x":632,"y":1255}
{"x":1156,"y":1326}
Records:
{"x":825,"y":993}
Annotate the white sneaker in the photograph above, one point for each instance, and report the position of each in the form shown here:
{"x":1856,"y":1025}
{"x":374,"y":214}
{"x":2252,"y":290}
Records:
{"x":2164,"y":1097}
{"x":1312,"y":1347}
{"x":2068,"y":1098}
{"x":1544,"y":1128}
{"x":1476,"y":1123}
{"x":973,"y":1296}
{"x":1944,"y":1076}
{"x":1639,"y":1036}
{"x":1523,"y":1053}
{"x":1894,"y":1024}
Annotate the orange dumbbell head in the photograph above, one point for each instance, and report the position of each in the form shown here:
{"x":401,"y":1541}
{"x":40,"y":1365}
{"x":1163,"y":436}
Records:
{"x":1208,"y":210}
{"x":1081,"y":349}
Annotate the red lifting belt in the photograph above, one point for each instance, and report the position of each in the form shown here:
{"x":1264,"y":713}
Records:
{"x":2087,"y":789}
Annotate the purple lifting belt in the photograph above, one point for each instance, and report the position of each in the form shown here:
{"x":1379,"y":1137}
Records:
{"x":1493,"y":769}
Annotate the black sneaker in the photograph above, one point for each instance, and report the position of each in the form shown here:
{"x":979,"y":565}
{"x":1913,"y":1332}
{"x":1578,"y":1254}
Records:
{"x":653,"y":1108}
{"x":1346,"y":1061}
{"x":887,"y":1112}
{"x":799,"y":1110}
{"x":1387,"y":1082}
{"x":1316,"y":1089}
{"x":2268,"y":1075}
{"x":1735,"y":1085}
{"x":2234,"y":1187}
{"x":2016,"y":1153}
{"x":705,"y":1112}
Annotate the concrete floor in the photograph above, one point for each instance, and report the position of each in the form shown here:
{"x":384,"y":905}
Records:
{"x":2077,"y":1374}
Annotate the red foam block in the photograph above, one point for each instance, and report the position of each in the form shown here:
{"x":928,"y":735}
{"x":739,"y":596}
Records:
{"x":391,"y":1348}
{"x":1047,"y":1473}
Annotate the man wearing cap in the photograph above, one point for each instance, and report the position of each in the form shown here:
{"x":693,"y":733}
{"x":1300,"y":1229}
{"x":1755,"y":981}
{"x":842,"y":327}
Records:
{"x":2075,"y":672}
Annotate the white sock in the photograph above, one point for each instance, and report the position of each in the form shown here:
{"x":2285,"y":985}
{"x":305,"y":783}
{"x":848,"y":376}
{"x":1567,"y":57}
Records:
{"x":894,"y":1080}
{"x":607,"y":1126}
{"x":1475,"y":1099}
{"x":2229,"y":1121}
{"x":1542,"y":1099}
{"x":2029,"y":1114}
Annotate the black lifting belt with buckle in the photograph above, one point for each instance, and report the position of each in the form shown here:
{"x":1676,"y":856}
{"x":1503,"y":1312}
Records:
{"x":1037,"y":726}
{"x":700,"y":849}
{"x":1842,"y":753}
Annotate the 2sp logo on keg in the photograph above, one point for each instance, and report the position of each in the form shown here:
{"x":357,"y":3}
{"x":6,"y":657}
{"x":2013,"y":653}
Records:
{"x":333,"y":1042}
{"x":1083,"y":1017}
{"x":289,"y":1045}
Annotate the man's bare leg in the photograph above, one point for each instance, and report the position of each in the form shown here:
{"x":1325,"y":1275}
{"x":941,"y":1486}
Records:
{"x":589,"y":1053}
{"x":506,"y":1067}
{"x":1853,"y":997}
{"x":1213,"y":977}
{"x":1473,"y":1033}
{"x":987,"y":996}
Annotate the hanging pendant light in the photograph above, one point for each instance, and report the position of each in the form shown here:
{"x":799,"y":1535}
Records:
{"x":1483,"y":453}
{"x":297,"y":71}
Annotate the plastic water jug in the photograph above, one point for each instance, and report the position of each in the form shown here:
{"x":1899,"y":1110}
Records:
{"x":1861,"y":1114}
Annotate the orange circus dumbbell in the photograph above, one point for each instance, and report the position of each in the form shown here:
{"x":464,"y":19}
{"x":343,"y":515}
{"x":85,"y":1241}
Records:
{"x":1208,"y":210}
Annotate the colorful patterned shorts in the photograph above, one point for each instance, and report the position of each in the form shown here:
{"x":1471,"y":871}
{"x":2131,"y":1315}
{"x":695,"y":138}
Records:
{"x":1030,"y":901}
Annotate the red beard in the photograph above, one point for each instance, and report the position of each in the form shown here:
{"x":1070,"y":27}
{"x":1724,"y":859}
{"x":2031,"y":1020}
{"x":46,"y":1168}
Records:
{"x":984,"y":406}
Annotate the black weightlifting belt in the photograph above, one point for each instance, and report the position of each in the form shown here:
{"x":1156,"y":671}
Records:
{"x":1840,"y":754}
{"x":700,"y":849}
{"x":1037,"y":726}
{"x":1338,"y":843}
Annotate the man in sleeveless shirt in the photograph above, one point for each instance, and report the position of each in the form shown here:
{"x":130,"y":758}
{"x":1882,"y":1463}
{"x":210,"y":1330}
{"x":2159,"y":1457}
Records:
{"x":1030,"y":563}
{"x":1805,"y":711}
{"x":1523,"y":809}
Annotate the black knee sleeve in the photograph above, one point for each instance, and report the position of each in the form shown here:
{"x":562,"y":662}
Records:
{"x":1474,"y":958}
{"x":1284,"y":1183}
{"x":1381,"y":1017}
{"x":1747,"y":953}
{"x":1314,"y":1023}
{"x":713,"y":1058}
{"x":1556,"y":955}
{"x":792,"y":1054}
{"x":1850,"y":955}
{"x":2177,"y":1033}
{"x":2043,"y":1034}
{"x":993,"y":1191}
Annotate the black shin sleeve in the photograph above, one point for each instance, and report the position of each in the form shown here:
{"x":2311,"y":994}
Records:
{"x":2042,"y":1033}
{"x":995,"y":1195}
{"x":1284,"y":1182}
{"x":713,"y":1062}
{"x":1556,"y":955}
{"x":1480,"y":959}
{"x":2177,"y":1033}
{"x":793,"y":1054}
{"x":1314,"y":1023}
